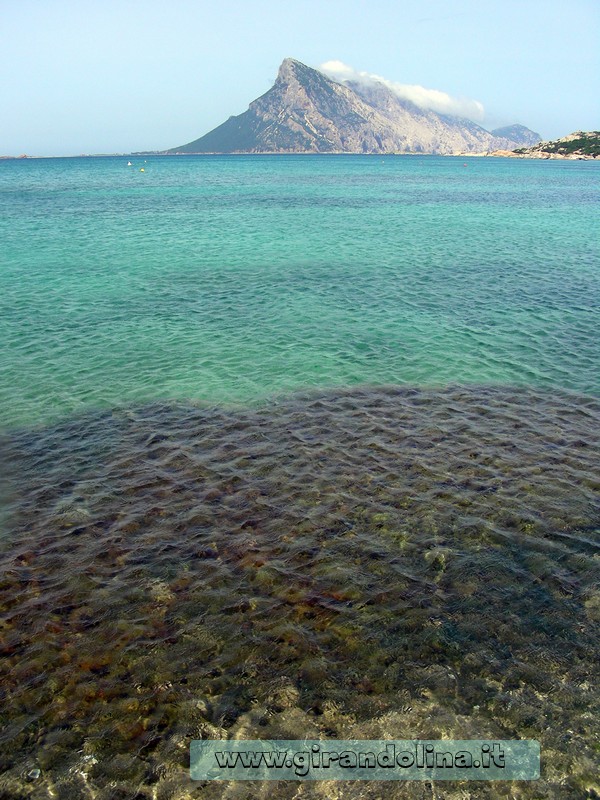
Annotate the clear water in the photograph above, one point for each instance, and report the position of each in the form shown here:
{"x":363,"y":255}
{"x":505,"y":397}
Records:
{"x":296,"y":446}
{"x":229,"y":279}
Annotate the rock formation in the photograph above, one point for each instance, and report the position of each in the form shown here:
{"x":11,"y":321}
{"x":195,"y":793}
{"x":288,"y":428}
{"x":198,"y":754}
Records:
{"x":307,"y":112}
{"x":579,"y":146}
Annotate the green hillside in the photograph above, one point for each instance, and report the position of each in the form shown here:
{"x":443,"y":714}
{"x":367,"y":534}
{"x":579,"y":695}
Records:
{"x":580,"y":143}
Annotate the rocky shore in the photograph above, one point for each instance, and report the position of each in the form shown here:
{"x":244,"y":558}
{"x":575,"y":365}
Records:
{"x":578,"y":146}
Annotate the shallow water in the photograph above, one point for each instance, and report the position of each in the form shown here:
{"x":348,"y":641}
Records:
{"x":368,"y":563}
{"x":296,"y":447}
{"x":230,"y":279}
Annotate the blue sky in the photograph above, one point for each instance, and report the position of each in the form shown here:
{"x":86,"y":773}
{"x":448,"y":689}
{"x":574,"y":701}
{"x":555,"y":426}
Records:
{"x":104,"y":76}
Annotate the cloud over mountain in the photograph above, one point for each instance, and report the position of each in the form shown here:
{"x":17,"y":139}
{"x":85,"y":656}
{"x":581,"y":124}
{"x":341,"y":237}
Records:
{"x":431,"y":99}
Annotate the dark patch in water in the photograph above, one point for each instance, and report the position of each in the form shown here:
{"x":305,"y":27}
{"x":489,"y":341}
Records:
{"x":314,"y":568}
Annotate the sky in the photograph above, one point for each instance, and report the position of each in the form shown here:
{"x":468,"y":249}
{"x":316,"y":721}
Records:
{"x":117,"y":76}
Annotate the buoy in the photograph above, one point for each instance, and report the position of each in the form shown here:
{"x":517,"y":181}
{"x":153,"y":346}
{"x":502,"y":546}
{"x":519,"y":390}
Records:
{"x":129,"y":164}
{"x":142,"y":169}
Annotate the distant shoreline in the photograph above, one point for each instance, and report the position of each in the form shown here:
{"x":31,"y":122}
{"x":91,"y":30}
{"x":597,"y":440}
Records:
{"x":496,"y":154}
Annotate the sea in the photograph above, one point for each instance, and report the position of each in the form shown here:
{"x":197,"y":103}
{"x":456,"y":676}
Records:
{"x":297,"y":446}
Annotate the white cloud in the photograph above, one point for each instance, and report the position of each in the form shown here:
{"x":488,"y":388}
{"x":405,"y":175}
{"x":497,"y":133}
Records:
{"x":424,"y":98}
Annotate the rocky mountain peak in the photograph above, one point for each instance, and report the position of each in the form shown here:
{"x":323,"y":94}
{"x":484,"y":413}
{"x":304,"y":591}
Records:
{"x":287,"y":70}
{"x":307,"y":112}
{"x":519,"y":134}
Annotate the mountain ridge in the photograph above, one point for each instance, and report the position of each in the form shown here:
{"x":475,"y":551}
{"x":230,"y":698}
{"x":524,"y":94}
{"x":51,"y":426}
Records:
{"x":307,"y":112}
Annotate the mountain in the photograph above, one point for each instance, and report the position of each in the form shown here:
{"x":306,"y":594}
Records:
{"x":581,"y":145}
{"x":518,"y":133}
{"x":307,"y":112}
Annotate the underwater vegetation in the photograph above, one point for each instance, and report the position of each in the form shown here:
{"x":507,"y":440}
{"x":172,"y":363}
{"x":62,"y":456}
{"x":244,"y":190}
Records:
{"x":375,"y":563}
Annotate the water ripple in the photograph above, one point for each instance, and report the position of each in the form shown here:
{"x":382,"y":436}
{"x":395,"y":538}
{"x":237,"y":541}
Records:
{"x":308,"y":569}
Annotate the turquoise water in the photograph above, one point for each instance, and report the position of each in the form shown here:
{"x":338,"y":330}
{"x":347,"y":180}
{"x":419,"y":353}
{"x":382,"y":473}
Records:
{"x":230,"y":279}
{"x":296,"y":447}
